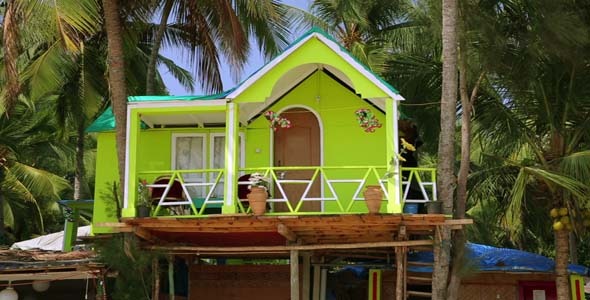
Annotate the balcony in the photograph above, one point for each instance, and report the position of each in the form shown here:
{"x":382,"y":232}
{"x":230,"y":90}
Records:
{"x":298,"y":190}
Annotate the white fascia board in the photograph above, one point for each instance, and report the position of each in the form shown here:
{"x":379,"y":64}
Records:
{"x":178,"y":103}
{"x":332,"y":45}
{"x":268,"y":67}
{"x":271,"y":100}
{"x":336,"y":48}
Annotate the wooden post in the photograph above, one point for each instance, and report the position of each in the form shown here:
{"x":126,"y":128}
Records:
{"x":171,"y":278}
{"x":324,"y":279}
{"x":156,"y":273}
{"x":399,"y":278}
{"x":70,"y":229}
{"x":306,"y":278}
{"x":294,"y":260}
{"x":317,"y":279}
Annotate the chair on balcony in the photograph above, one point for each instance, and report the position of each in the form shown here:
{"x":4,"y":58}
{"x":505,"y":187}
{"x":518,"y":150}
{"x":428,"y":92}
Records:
{"x":243,"y":191}
{"x":175,"y":193}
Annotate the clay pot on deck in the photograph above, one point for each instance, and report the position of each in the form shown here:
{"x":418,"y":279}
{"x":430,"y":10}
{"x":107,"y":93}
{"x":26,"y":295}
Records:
{"x":373,"y":196}
{"x":257,"y":199}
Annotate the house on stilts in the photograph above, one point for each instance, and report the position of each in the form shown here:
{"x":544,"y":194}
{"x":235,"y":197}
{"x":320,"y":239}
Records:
{"x":319,"y":127}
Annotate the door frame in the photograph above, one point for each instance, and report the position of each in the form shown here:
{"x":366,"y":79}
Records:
{"x":321,"y":128}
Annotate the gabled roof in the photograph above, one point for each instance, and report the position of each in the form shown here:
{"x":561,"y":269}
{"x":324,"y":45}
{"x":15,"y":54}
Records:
{"x":327,"y":40}
{"x":106,"y":121}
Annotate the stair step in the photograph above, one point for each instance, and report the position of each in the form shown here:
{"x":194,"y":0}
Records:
{"x":419,"y":278}
{"x":419,"y":294}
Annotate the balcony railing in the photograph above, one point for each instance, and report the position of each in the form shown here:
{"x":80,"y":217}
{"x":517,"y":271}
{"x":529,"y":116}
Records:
{"x":292,"y":191}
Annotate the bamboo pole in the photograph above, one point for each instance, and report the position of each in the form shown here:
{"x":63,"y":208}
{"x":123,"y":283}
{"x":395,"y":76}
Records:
{"x":317,"y":276}
{"x":156,"y":273}
{"x":294,"y":260}
{"x":306,"y":278}
{"x":399,"y":278}
{"x":171,"y":278}
{"x":294,"y":247}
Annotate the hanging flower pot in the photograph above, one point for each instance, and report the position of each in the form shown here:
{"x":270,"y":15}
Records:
{"x":373,"y":197}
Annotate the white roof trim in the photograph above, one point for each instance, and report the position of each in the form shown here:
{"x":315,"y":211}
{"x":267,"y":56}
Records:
{"x":177,"y":103}
{"x":332,"y":45}
{"x":267,"y":68}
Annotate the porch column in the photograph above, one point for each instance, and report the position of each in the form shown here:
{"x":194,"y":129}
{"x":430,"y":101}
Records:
{"x":130,"y":188}
{"x":70,"y":228}
{"x":394,"y":203}
{"x":232,"y":125}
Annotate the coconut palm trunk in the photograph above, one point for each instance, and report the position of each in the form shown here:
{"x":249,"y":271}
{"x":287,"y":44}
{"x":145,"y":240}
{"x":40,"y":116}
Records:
{"x":117,"y":84}
{"x":11,"y":50}
{"x":156,"y":44}
{"x":79,"y":182}
{"x":446,"y":147}
{"x":561,"y":236}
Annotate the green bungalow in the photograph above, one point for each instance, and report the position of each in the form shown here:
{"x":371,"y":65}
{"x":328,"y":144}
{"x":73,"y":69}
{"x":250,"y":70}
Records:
{"x":316,"y":123}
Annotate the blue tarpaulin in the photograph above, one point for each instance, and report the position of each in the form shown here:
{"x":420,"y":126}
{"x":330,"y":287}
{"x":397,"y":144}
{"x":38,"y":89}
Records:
{"x":488,"y":258}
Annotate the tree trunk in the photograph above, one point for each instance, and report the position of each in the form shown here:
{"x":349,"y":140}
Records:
{"x":446,"y":147}
{"x":3,"y":237}
{"x":79,"y":182}
{"x":459,"y":238}
{"x":442,"y":260}
{"x":561,"y":262}
{"x":117,"y":84}
{"x":11,"y":50}
{"x":156,"y":43}
{"x":561,"y":236}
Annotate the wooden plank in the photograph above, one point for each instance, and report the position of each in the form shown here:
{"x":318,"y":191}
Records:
{"x":420,"y":294}
{"x":283,"y":230}
{"x":145,"y":234}
{"x":294,"y":261}
{"x":294,"y":247}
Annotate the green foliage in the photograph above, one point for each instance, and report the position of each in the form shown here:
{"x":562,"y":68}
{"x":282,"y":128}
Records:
{"x":123,"y":255}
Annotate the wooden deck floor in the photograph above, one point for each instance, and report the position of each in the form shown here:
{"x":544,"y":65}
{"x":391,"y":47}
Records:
{"x":240,"y":233}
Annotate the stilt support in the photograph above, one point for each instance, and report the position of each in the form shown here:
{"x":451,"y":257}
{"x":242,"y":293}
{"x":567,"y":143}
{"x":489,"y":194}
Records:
{"x":294,"y":274}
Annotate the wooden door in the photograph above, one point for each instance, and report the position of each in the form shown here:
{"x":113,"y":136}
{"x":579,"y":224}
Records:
{"x":298,"y":146}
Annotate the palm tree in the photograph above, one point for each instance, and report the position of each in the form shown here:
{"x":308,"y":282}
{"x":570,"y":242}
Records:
{"x":221,"y":27}
{"x":117,"y":85}
{"x":446,"y":146}
{"x":539,"y":117}
{"x":368,"y":29}
{"x":28,"y":139}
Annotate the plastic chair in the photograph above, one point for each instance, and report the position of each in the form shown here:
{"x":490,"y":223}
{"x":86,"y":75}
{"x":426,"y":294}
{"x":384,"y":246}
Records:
{"x":175,"y":193}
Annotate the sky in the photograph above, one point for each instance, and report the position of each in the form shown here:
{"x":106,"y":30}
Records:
{"x":255,"y":61}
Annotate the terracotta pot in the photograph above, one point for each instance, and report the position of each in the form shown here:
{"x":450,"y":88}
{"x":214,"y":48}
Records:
{"x":373,"y":196}
{"x":257,"y":199}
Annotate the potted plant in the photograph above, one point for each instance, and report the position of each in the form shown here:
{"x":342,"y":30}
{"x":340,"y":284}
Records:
{"x":258,"y":193}
{"x":373,"y":197}
{"x":143,"y":199}
{"x":373,"y":193}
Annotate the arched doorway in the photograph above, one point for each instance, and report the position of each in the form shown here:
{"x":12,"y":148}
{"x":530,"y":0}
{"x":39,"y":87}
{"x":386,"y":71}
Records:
{"x":299,"y":146}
